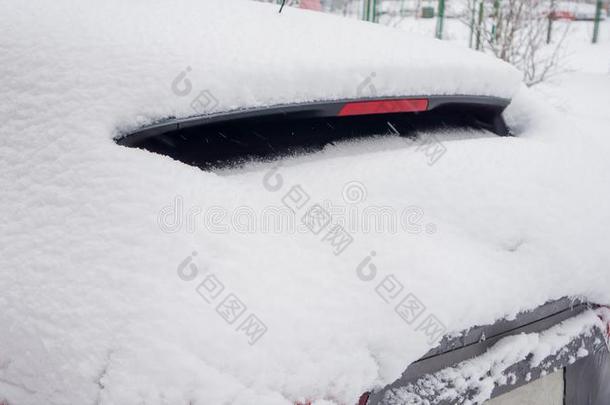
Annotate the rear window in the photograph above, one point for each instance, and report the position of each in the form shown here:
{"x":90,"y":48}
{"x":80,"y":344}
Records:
{"x":236,"y":138}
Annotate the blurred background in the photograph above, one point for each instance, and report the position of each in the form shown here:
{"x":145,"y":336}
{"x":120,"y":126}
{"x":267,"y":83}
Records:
{"x":543,"y":38}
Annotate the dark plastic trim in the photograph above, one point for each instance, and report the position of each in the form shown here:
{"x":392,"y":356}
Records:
{"x":311,"y":110}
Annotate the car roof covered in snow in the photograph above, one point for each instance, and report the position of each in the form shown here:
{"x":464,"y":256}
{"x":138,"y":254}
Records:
{"x":227,"y":55}
{"x":138,"y":279}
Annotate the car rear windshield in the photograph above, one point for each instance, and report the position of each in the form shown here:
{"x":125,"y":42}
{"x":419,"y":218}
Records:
{"x":234,"y":139}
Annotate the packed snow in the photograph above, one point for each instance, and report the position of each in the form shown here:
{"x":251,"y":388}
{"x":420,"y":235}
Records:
{"x":103,"y":299}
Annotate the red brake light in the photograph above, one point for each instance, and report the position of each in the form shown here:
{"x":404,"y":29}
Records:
{"x":362,"y":401}
{"x":384,"y":106}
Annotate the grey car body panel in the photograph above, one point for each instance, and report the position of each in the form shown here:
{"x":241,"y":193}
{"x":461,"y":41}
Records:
{"x":587,"y":382}
{"x":584,"y":380}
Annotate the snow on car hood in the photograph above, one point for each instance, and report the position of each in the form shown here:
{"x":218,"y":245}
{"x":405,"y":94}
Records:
{"x":128,"y":277}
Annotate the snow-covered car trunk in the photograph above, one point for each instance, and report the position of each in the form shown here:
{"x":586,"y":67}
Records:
{"x":130,"y":277}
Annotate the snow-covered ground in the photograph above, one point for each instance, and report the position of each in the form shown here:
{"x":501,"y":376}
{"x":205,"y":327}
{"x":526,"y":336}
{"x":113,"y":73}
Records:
{"x":103,"y":300}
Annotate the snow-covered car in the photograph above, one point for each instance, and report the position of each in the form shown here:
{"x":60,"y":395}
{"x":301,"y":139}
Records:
{"x":334,"y":212}
{"x":587,"y":12}
{"x":577,"y":11}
